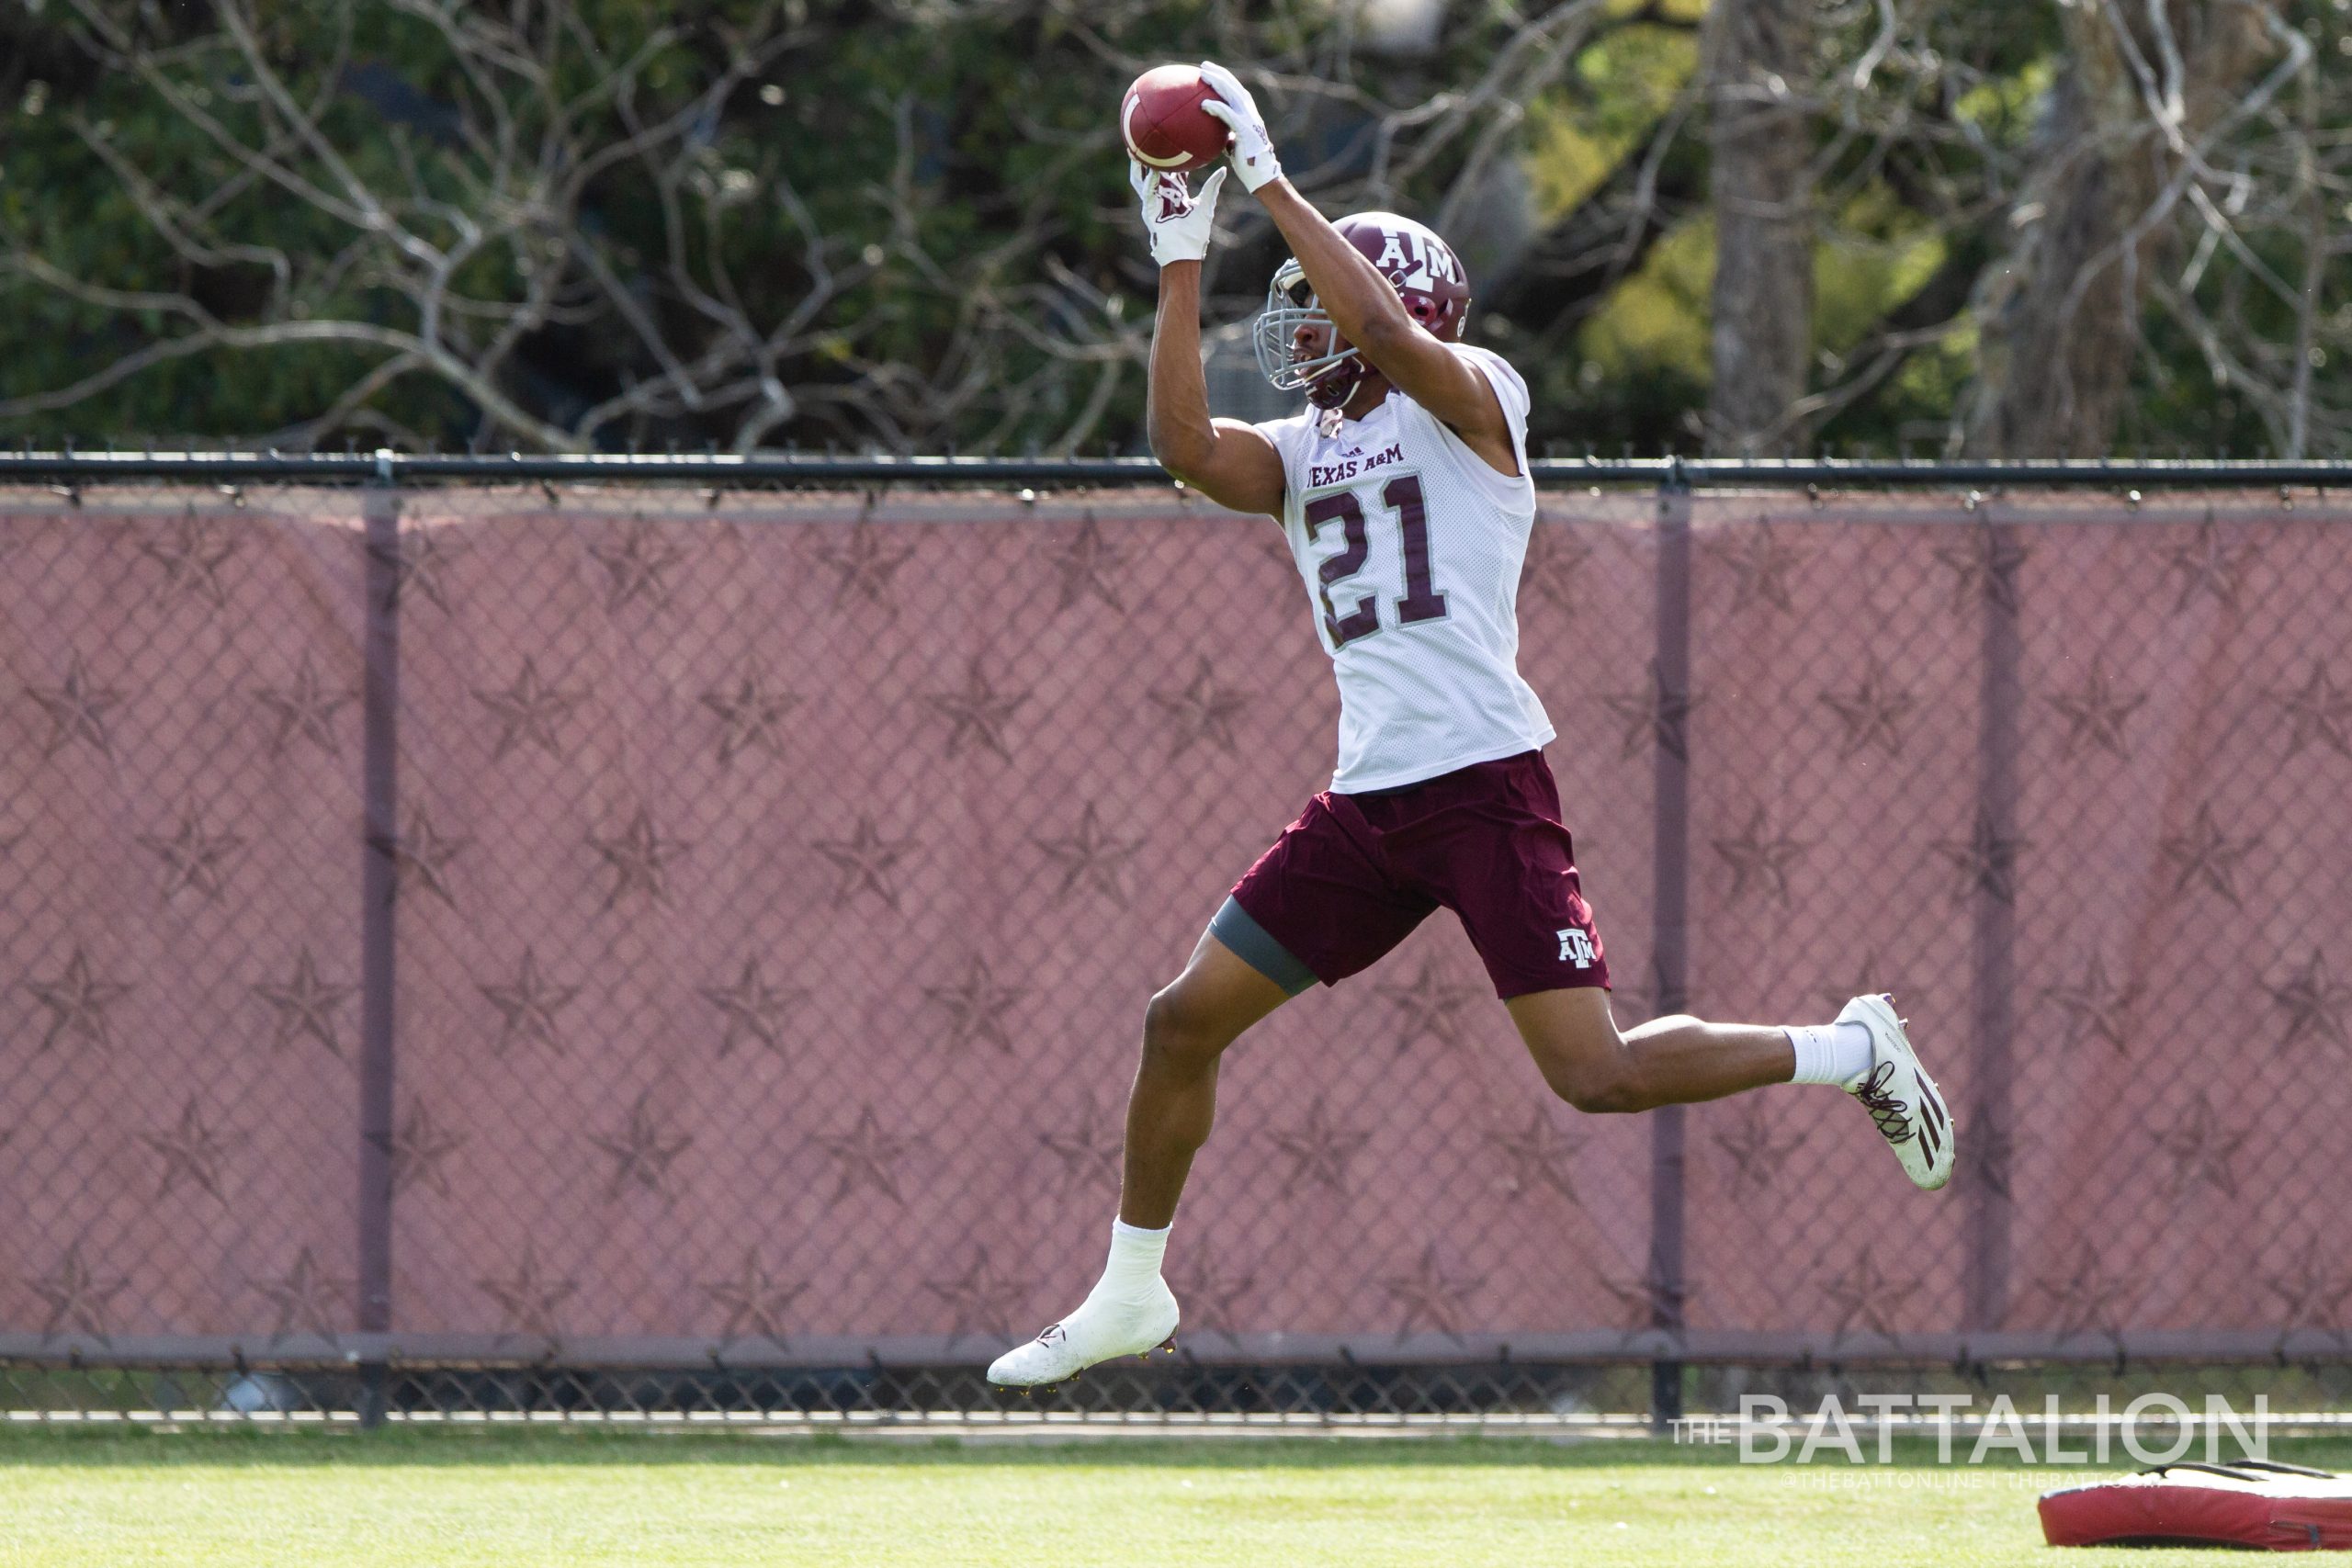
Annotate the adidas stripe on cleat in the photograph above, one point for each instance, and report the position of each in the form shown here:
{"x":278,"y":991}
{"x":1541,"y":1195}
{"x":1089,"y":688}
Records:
{"x":1903,"y":1100}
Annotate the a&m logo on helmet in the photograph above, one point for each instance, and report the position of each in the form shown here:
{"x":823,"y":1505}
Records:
{"x":1413,"y":256}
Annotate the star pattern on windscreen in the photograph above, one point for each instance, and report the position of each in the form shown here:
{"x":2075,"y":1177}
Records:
{"x":1556,"y":559}
{"x":305,"y":1297}
{"x":418,"y":561}
{"x":194,"y":858}
{"x":979,"y":713}
{"x":2311,"y":1293}
{"x":1646,"y":1302}
{"x":306,"y":709}
{"x":981,"y":1300}
{"x":2200,"y":1149}
{"x":416,"y":1150}
{"x":1648,"y":997}
{"x":867,"y":1156}
{"x":865,"y":860}
{"x":2317,"y":710}
{"x":2083,"y":1297}
{"x":1985,"y":568}
{"x":866,"y":565}
{"x":754,"y":1008}
{"x":1085,"y":565}
{"x":2207,"y":563}
{"x":1539,"y":1155}
{"x":77,"y":1297}
{"x":755,"y":1302}
{"x":1655,"y":714}
{"x":527,"y":1006}
{"x":1986,"y":860}
{"x":751,"y":715}
{"x":1873,"y":714}
{"x":306,"y":1005}
{"x":1201,"y":711}
{"x":1092,"y":856}
{"x":641,"y":1152}
{"x":193,"y":1151}
{"x":637,"y":566}
{"x":1985,"y":1159}
{"x":77,"y":1001}
{"x":421,"y":857}
{"x":528,"y":1297}
{"x":2096,"y":1006}
{"x":1212,"y":1296}
{"x":2206,"y":856}
{"x":1762,"y":563}
{"x":1430,"y":1299}
{"x":1428,"y":1005}
{"x":1872,"y":979}
{"x":528,"y":710}
{"x":1318,"y":1150}
{"x":192,"y":554}
{"x":1759,"y":859}
{"x":2096,"y":712}
{"x":76,"y":707}
{"x":2314,"y":1002}
{"x":638,"y":858}
{"x":1756,"y":1155}
{"x":1865,"y":1297}
{"x":1088,"y":1146}
{"x":976,"y":1007}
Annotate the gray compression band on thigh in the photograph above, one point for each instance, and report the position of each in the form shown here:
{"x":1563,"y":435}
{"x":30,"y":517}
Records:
{"x":1249,"y":940}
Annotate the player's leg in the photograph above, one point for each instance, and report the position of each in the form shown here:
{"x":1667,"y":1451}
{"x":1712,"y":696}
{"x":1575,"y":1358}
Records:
{"x":1678,"y":1059}
{"x":1187,"y":1027}
{"x":1315,"y":907}
{"x":1508,"y":868}
{"x":1668,"y":1061}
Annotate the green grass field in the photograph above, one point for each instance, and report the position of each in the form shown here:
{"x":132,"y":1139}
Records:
{"x":252,"y":1497}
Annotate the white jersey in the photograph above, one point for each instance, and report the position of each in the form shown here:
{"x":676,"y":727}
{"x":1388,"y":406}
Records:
{"x":1410,"y":546}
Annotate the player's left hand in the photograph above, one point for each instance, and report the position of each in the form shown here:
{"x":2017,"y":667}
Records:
{"x":1179,"y":220}
{"x":1252,"y":151}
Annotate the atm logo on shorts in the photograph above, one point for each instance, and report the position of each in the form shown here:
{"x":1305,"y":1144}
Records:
{"x":1576,"y":947}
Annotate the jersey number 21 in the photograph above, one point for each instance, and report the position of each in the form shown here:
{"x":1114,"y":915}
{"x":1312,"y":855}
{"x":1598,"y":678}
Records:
{"x":1421,"y":602}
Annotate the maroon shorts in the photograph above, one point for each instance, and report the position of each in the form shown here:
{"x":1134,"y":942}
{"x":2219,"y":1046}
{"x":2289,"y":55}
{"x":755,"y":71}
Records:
{"x":1355,"y":874}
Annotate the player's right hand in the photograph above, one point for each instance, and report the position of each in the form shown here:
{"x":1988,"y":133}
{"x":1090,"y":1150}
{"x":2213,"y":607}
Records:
{"x":1179,"y":220}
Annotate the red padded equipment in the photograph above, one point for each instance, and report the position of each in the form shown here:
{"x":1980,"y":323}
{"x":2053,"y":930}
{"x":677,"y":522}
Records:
{"x":2283,"y":1507}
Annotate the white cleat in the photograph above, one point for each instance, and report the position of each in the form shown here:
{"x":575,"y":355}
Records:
{"x":1900,"y":1096}
{"x":1101,"y":1328}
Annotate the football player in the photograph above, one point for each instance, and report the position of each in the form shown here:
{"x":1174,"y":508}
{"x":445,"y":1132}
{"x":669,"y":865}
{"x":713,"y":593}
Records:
{"x":1403,"y":490}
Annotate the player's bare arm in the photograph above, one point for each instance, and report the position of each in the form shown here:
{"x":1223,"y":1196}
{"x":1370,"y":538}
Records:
{"x":1363,"y":305}
{"x":1224,"y":460}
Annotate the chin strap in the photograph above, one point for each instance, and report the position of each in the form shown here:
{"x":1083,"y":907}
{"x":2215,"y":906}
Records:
{"x":1328,"y":424}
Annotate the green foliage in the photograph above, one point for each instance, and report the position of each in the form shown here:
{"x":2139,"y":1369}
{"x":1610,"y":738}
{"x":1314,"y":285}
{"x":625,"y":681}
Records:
{"x":926,"y":205}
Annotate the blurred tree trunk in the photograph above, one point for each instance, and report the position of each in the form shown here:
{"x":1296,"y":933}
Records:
{"x":2060,"y":315}
{"x":1757,"y":59}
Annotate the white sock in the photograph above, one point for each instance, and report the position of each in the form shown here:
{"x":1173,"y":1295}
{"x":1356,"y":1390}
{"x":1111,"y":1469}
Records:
{"x":1135,"y":1259}
{"x":1829,"y":1053}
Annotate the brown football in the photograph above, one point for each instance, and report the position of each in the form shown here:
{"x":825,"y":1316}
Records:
{"x":1164,"y":124}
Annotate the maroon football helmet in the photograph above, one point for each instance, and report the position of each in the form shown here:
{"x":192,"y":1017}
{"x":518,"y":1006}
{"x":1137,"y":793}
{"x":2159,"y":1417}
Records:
{"x":1297,"y":345}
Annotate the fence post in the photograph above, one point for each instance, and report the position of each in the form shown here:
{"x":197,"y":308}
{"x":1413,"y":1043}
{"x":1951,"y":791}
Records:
{"x":1993,"y":928}
{"x":380,"y":787}
{"x":1669,"y":953}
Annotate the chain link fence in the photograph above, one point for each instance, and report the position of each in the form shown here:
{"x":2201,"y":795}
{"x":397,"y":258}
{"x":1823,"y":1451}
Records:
{"x":580,"y":950}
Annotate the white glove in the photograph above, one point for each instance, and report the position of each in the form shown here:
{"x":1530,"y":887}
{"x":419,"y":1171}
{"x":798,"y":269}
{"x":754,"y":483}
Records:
{"x":1179,"y":220}
{"x":1252,"y":151}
